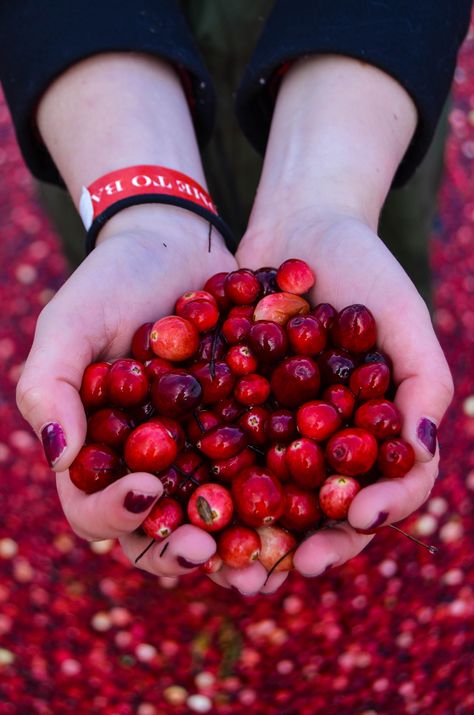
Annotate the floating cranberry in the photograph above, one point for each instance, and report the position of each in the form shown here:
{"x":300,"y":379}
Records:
{"x":174,"y":338}
{"x":258,"y":496}
{"x":165,"y":516}
{"x":93,"y":390}
{"x":141,"y":348}
{"x":109,"y":426}
{"x":295,"y":380}
{"x":127,"y":383}
{"x":370,"y":380}
{"x":318,"y":419}
{"x":242,"y":287}
{"x":295,"y":276}
{"x":352,"y":451}
{"x":268,"y":341}
{"x":302,"y":510}
{"x":336,"y":495}
{"x":305,"y":462}
{"x":354,"y":329}
{"x":176,"y":393}
{"x":210,"y":507}
{"x":95,"y":467}
{"x":150,"y":448}
{"x":238,"y":546}
{"x":396,"y":458}
{"x":381,"y":417}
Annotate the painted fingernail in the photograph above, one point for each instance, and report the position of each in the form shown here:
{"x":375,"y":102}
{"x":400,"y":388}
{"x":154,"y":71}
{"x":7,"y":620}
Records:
{"x":382,"y":517}
{"x":426,"y":433}
{"x":136,"y":502}
{"x":185,"y":564}
{"x":54,"y":442}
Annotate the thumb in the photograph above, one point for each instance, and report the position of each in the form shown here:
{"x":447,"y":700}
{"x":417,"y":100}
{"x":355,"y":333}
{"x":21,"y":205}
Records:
{"x":48,"y":390}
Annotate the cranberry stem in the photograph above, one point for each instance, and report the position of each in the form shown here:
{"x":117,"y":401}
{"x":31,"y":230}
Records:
{"x":212,"y":361}
{"x":187,"y":476}
{"x":142,"y":554}
{"x":429,"y":547}
{"x":278,"y":561}
{"x":199,"y":423}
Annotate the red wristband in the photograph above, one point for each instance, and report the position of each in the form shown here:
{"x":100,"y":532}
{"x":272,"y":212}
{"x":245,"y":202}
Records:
{"x":145,"y":184}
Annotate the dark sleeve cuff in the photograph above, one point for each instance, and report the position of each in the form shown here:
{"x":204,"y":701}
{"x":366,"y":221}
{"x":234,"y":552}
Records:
{"x":40,"y":40}
{"x":414,"y":41}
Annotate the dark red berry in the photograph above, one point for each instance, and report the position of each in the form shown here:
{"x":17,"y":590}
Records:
{"x":302,"y":510}
{"x":281,"y":426}
{"x":295,"y":380}
{"x":252,"y":389}
{"x":93,"y":390}
{"x":95,"y":467}
{"x":370,"y":380}
{"x":109,"y":426}
{"x":342,"y":399}
{"x":127,"y":383}
{"x":352,"y":451}
{"x":268,"y":341}
{"x":258,"y":496}
{"x":176,"y":393}
{"x":267,"y":279}
{"x":141,"y":348}
{"x":238,"y":546}
{"x":381,"y":417}
{"x":222,"y":442}
{"x":241,"y":360}
{"x":325,"y":313}
{"x":241,"y":287}
{"x":276,"y":461}
{"x":305,"y":462}
{"x":335,"y":367}
{"x":306,"y":335}
{"x":318,"y":420}
{"x":354,"y":329}
{"x":253,"y":424}
{"x":396,"y":458}
{"x":227,"y":469}
{"x":216,"y":380}
{"x":150,"y":448}
{"x":215,"y":286}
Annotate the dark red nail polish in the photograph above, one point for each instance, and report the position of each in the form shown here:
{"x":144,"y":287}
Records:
{"x":136,"y":503}
{"x":54,"y":442}
{"x":382,"y":517}
{"x":185,"y":564}
{"x":426,"y":433}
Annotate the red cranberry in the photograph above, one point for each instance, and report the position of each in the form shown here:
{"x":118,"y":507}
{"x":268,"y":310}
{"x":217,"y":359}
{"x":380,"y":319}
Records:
{"x":306,"y":335}
{"x":354,"y":329}
{"x":281,"y":426}
{"x":228,"y":410}
{"x":370,"y":381}
{"x":213,"y":564}
{"x":268,"y":341}
{"x":227,"y":469}
{"x":342,"y":399}
{"x":267,"y":279}
{"x":127,"y":383}
{"x":95,"y":467}
{"x":201,"y":421}
{"x":352,"y":451}
{"x":210,"y":346}
{"x":156,"y":367}
{"x":141,"y":349}
{"x":235,"y":329}
{"x":381,"y":417}
{"x":190,"y":297}
{"x":174,"y":338}
{"x":165,"y":516}
{"x":280,"y":307}
{"x":241,"y":360}
{"x":174,"y":428}
{"x":241,"y":311}
{"x":93,"y":390}
{"x":335,"y":367}
{"x":141,"y":413}
{"x":210,"y":507}
{"x":241,"y":287}
{"x":170,"y":480}
{"x":193,"y":472}
{"x":318,"y":420}
{"x":252,"y":389}
{"x":295,"y":276}
{"x":258,"y":496}
{"x":201,"y":313}
{"x":215,"y":286}
{"x":295,"y":380}
{"x":176,"y":393}
{"x":305,"y":462}
{"x":215,"y":379}
{"x":325,"y":313}
{"x":222,"y":442}
{"x":253,"y":424}
{"x":150,"y":448}
{"x":301,"y":511}
{"x":276,"y":461}
{"x":396,"y":458}
{"x":238,"y":546}
{"x":277,"y":546}
{"x":336,"y":495}
{"x":109,"y":426}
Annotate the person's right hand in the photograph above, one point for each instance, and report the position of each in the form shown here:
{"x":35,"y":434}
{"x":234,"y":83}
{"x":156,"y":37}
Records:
{"x":145,"y":258}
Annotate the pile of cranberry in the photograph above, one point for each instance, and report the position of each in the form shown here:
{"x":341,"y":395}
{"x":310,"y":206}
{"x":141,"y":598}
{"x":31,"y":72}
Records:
{"x":261,"y":415}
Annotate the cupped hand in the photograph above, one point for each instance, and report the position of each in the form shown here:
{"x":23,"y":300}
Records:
{"x":146,"y":258}
{"x":352,"y":265}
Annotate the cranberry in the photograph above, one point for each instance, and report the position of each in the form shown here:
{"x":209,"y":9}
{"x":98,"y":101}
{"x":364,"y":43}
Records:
{"x":268,"y":341}
{"x":352,"y":451}
{"x":109,"y":426}
{"x":377,"y":356}
{"x":176,"y":393}
{"x":165,"y":516}
{"x":252,"y":389}
{"x":170,"y":479}
{"x":174,"y":338}
{"x":354,"y":329}
{"x":267,"y":279}
{"x":215,"y":286}
{"x":203,"y":314}
{"x":318,"y":420}
{"x":238,"y":546}
{"x":211,"y":346}
{"x":141,"y":413}
{"x":150,"y":448}
{"x":306,"y":335}
{"x":253,"y":424}
{"x":93,"y":390}
{"x":192,"y":470}
{"x":202,"y":421}
{"x":191,"y":296}
{"x":241,"y":287}
{"x":276,"y":551}
{"x":335,"y":367}
{"x":174,"y":428}
{"x":241,"y":311}
{"x":302,"y":510}
{"x":325,"y":313}
{"x":396,"y":458}
{"x":227,"y":469}
{"x":381,"y":417}
{"x":127,"y":383}
{"x":370,"y":381}
{"x":215,"y":379}
{"x":295,"y":380}
{"x":141,"y":349}
{"x":95,"y":467}
{"x":305,"y":462}
{"x":280,"y":307}
{"x":156,"y":367}
{"x":295,"y":276}
{"x":281,"y":426}
{"x":236,"y":329}
{"x":213,"y":564}
{"x":229,"y":410}
{"x":241,"y":360}
{"x":222,"y":442}
{"x":342,"y":399}
{"x":276,"y":461}
{"x":258,"y":496}
{"x":336,"y":495}
{"x":210,"y":507}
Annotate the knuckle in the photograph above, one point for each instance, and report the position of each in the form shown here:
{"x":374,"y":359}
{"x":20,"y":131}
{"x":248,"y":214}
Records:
{"x":28,"y":398}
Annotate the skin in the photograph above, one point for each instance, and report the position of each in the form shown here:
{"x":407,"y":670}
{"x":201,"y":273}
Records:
{"x":340,"y":129}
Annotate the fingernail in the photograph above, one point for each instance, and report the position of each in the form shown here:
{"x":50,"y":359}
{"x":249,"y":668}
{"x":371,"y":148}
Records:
{"x":426,"y":433}
{"x":188,"y":564}
{"x":136,"y":502}
{"x":382,"y":517}
{"x":54,"y":442}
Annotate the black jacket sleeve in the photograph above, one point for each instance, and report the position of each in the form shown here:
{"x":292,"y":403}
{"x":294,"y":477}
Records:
{"x":414,"y":41}
{"x":40,"y":39}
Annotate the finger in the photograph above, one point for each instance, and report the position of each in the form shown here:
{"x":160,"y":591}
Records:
{"x":220,"y":579}
{"x":248,"y":580}
{"x":184,"y":550}
{"x":392,"y":500}
{"x":112,"y":512}
{"x":327,"y":548}
{"x":48,"y":389}
{"x":273,"y":582}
